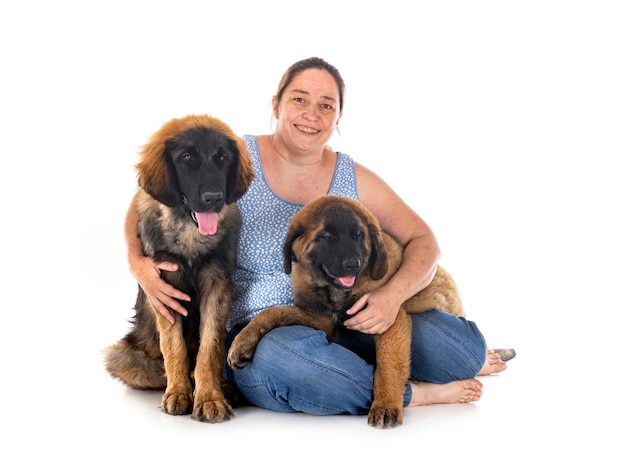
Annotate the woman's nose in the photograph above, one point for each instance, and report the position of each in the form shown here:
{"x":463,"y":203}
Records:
{"x":311,"y":113}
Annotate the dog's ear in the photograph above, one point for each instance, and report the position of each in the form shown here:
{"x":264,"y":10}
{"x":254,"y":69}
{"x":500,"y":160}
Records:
{"x":241,"y":172}
{"x":155,"y":172}
{"x":288,"y":255}
{"x":378,"y":257}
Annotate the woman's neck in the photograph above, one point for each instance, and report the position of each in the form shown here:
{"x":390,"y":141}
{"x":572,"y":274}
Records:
{"x":294,"y":157}
{"x":297,"y":177}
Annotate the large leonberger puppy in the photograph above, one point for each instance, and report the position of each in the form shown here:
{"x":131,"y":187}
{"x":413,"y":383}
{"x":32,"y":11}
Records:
{"x":336,"y":253}
{"x":190,"y":174}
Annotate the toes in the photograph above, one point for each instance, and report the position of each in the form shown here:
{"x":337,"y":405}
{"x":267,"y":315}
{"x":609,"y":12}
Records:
{"x":506,"y":354}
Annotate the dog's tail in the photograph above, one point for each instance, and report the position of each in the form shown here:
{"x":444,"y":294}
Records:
{"x":133,"y":367}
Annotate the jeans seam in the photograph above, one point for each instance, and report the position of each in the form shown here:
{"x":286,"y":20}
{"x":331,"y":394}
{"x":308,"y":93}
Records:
{"x":318,"y":365}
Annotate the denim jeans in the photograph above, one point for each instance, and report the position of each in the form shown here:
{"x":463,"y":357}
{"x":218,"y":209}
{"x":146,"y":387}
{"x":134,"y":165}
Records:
{"x":296,"y":369}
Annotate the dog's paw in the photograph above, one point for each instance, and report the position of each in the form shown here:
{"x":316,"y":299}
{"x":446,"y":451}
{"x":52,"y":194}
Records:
{"x":385,"y":417}
{"x":240,"y":354}
{"x":212,"y":411}
{"x":176,"y":404}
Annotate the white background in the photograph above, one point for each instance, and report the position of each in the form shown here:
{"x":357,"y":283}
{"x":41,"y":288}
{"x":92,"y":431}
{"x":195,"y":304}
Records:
{"x":502,"y":123}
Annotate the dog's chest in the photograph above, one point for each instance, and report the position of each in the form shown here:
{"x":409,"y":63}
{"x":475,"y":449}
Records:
{"x":324,"y":299}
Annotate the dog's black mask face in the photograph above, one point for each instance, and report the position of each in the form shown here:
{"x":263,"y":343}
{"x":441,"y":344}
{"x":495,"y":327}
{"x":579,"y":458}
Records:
{"x":340,"y":252}
{"x":203,"y":167}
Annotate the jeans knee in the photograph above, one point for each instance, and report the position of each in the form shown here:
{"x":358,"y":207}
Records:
{"x":295,"y":368}
{"x":445,"y":348}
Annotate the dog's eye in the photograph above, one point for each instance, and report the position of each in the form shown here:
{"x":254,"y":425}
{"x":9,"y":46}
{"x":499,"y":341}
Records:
{"x":358,"y":235}
{"x":220,"y":156}
{"x":326,"y":236}
{"x":187,"y":155}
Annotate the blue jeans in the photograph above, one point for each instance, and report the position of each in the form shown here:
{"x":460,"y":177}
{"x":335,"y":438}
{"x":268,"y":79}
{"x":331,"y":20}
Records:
{"x":296,"y":369}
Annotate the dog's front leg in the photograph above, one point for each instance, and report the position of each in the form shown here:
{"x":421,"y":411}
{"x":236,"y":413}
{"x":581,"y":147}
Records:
{"x":244,"y":345}
{"x":393,"y":363}
{"x":178,"y":395}
{"x":210,"y":404}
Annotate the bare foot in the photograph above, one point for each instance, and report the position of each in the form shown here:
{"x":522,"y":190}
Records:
{"x":506,"y":354}
{"x":495,"y":362}
{"x":464,"y":391}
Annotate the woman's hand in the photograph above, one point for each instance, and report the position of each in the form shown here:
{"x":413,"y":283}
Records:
{"x":159,"y":292}
{"x":373,"y":313}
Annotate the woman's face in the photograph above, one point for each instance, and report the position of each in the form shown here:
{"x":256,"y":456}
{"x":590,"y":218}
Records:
{"x":308,"y":112}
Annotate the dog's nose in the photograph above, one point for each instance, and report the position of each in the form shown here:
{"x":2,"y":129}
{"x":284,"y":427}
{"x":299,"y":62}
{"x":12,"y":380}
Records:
{"x":351,"y":264}
{"x":213,"y":199}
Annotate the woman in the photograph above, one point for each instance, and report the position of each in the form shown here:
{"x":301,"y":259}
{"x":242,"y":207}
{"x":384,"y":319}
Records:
{"x":294,"y":367}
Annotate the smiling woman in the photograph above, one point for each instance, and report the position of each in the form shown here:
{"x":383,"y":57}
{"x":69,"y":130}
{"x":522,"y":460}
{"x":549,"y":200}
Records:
{"x":294,"y":166}
{"x":502,"y":123}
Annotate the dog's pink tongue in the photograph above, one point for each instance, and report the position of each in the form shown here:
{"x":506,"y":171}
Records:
{"x":207,"y":222}
{"x":346,"y":281}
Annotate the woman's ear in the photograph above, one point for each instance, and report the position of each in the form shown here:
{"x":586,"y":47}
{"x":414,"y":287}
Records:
{"x":275,"y":107}
{"x":338,"y":119}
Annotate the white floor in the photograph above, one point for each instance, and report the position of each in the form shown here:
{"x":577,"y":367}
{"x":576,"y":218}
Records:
{"x":510,"y":116}
{"x":559,"y":399}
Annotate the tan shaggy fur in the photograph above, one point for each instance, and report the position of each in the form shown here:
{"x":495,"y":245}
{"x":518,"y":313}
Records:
{"x":192,"y":165}
{"x":383,"y":257}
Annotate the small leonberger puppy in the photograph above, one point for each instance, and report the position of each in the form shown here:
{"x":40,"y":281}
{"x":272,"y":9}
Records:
{"x":190,"y":174}
{"x":336,"y":252}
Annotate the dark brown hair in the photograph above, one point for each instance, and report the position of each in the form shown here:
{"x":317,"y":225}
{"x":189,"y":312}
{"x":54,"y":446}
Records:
{"x":311,"y":63}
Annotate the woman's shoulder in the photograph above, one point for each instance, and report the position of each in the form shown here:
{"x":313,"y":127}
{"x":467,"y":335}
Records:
{"x":364,"y":173}
{"x":250,"y":139}
{"x":370,"y":185}
{"x":256,"y":142}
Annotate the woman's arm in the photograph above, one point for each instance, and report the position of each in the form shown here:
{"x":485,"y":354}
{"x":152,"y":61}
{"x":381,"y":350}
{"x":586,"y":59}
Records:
{"x":148,"y":274}
{"x":375,"y":312}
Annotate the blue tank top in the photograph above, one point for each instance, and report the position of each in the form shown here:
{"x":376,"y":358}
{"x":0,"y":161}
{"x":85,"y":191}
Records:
{"x":260,"y":279}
